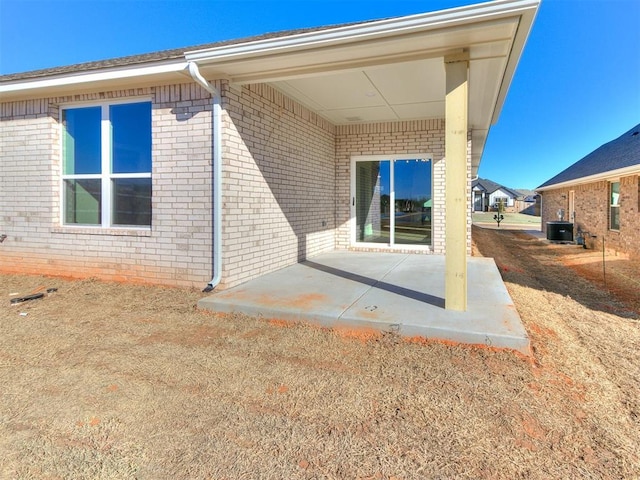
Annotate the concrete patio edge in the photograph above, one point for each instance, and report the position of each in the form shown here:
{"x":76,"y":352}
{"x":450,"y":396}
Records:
{"x":399,"y":293}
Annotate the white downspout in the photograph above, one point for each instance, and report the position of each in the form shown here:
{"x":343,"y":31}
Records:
{"x":217,"y":174}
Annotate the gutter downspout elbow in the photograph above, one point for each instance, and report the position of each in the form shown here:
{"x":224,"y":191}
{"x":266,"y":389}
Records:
{"x":216,"y":181}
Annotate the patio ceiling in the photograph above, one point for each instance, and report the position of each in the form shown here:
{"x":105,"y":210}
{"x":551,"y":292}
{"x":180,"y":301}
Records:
{"x":388,"y":70}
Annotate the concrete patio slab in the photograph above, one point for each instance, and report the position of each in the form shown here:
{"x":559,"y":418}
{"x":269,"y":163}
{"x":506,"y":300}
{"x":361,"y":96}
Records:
{"x":392,"y":292}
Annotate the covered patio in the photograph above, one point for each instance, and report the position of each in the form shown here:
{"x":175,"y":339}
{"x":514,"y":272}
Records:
{"x":374,"y":82}
{"x":391,"y":292}
{"x":404,"y":99}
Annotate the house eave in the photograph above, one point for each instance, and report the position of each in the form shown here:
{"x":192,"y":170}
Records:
{"x":261,"y":53}
{"x":430,"y":21}
{"x":108,"y":78}
{"x":392,"y":41}
{"x":604,"y":176}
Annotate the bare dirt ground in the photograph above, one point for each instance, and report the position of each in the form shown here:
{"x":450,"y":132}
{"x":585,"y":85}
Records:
{"x":102,"y":380}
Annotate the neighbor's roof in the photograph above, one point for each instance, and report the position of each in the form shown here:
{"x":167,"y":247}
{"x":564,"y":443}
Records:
{"x":609,"y":159}
{"x":490,"y":187}
{"x":526,"y":194}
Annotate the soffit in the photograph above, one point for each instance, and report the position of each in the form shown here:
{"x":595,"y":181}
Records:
{"x":400,"y":76}
{"x":392,"y":77}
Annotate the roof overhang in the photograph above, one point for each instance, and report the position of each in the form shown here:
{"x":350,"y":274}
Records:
{"x":388,"y":70}
{"x":599,"y":177}
{"x":385,"y":70}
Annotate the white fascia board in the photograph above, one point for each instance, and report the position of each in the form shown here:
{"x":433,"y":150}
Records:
{"x":99,"y":76}
{"x":367,"y":31}
{"x":610,"y":175}
{"x":524,"y":29}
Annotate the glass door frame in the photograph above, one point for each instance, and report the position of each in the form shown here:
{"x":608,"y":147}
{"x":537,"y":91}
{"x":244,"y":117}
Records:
{"x":353,"y":194}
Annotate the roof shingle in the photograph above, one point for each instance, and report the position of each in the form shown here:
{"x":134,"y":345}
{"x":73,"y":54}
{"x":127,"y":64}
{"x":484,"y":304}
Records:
{"x":490,"y":186}
{"x":159,"y":56}
{"x":622,"y":152}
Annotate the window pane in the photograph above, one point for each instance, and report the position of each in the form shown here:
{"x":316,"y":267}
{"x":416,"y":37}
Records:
{"x":413,"y":202}
{"x":81,"y":142}
{"x":131,"y":137}
{"x":614,"y":211}
{"x":82,"y":203}
{"x":615,"y":193}
{"x":132,"y":201}
{"x":615,"y":218}
{"x":373,"y":201}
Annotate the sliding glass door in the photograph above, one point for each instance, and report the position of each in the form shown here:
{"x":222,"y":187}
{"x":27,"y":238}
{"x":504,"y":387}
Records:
{"x":393,"y":201}
{"x":413,"y":202}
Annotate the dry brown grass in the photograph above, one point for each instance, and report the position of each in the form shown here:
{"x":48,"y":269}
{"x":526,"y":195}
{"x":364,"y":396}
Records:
{"x":114,"y":381}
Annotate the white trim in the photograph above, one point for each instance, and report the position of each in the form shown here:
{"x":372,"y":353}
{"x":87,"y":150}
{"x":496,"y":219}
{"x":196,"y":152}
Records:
{"x":367,"y":31}
{"x":101,"y":103}
{"x":130,"y":175}
{"x":611,"y":205}
{"x":352,"y":201}
{"x":82,"y":176}
{"x":403,"y":156}
{"x":89,"y":176}
{"x":604,"y":176}
{"x":130,"y":231}
{"x":103,"y":75}
{"x":105,"y":166}
{"x":572,"y":205}
{"x":392,"y":201}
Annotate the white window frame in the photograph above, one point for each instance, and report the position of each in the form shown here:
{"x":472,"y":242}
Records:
{"x":105,"y":174}
{"x":496,"y":200}
{"x":392,"y":199}
{"x":612,"y":206}
{"x":572,"y":206}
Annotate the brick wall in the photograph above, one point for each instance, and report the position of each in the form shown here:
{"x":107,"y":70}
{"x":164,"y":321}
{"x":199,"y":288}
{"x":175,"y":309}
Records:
{"x":279,"y":177}
{"x":395,"y":138}
{"x":286,"y":176}
{"x":176,"y":251}
{"x":592,"y":213}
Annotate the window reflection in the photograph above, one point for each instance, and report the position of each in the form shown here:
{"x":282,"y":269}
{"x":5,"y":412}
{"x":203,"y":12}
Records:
{"x":413,"y":202}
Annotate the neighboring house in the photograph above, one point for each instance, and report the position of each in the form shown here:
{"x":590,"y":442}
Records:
{"x":234,"y":159}
{"x":487,"y":195}
{"x":527,"y":202}
{"x":600,"y":195}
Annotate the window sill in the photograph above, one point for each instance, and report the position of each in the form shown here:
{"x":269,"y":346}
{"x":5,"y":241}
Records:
{"x":117,"y":232}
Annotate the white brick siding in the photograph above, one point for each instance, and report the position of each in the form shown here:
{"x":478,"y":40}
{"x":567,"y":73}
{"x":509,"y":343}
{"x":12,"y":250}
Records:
{"x":177,"y":250}
{"x":279,"y":183}
{"x":286,"y":177}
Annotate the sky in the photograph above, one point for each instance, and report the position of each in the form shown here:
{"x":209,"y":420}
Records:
{"x":577,"y":85}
